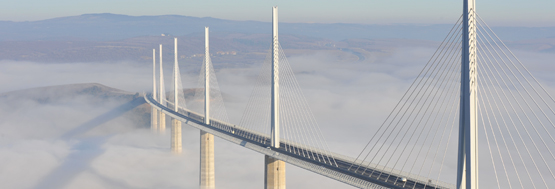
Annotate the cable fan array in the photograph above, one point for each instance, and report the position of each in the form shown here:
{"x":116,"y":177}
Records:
{"x":415,"y":137}
{"x":299,"y":131}
{"x":162,"y":97}
{"x":516,"y":116}
{"x":419,"y":137}
{"x":217,"y":108}
{"x":515,"y":120}
{"x":180,"y":91}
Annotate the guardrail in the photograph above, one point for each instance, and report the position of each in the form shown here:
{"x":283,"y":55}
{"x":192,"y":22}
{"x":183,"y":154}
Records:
{"x":226,"y":131}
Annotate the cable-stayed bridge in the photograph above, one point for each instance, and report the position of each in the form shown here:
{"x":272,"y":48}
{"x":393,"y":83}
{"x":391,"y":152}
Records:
{"x":473,"y":96}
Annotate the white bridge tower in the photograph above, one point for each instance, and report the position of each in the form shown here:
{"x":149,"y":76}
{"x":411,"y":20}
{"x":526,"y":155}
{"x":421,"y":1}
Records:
{"x":154,"y":111}
{"x":274,"y":177}
{"x":162,"y":97}
{"x":176,"y":142}
{"x":207,"y":175}
{"x":467,"y":166}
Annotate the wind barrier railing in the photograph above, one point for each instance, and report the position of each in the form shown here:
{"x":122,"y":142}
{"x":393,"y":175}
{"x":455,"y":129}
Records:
{"x":227,"y":131}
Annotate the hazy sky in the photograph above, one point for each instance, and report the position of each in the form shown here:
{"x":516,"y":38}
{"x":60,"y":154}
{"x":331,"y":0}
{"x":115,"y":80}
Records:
{"x":498,"y":12}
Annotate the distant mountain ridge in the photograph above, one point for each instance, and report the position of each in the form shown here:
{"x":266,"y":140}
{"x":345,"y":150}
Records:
{"x":112,"y":37}
{"x":108,"y":27}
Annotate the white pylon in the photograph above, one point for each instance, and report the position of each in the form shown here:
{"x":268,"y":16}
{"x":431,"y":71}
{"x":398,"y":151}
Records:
{"x":467,"y":163}
{"x":162,"y":100}
{"x":175,"y":76}
{"x":154,"y":111}
{"x":206,"y":77}
{"x":275,"y":80}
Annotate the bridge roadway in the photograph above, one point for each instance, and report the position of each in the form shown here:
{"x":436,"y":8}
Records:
{"x":337,"y":168}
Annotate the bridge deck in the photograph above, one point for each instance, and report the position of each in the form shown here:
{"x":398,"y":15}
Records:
{"x":338,"y":169}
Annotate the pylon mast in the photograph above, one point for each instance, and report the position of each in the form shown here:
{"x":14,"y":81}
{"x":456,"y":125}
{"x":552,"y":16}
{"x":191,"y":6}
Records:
{"x":206,"y":77}
{"x":175,"y":72}
{"x":162,"y":98}
{"x":154,"y":111}
{"x":467,"y":168}
{"x":275,"y":80}
{"x":154,"y":74}
{"x":161,"y":79}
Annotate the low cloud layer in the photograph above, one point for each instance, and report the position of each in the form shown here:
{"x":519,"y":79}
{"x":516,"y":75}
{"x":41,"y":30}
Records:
{"x":349,"y":100}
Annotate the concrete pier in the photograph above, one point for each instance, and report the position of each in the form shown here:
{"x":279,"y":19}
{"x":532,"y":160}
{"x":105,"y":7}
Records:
{"x":207,"y":176}
{"x":176,"y":142}
{"x":275,"y":173}
{"x":154,"y":120}
{"x":162,"y":122}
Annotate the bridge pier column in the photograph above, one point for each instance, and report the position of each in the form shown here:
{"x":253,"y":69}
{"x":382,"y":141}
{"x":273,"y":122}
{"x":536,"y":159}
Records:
{"x":176,"y":137}
{"x":161,"y":122}
{"x":154,"y":119}
{"x":274,"y":177}
{"x":207,"y":176}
